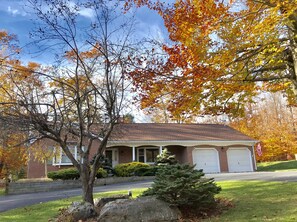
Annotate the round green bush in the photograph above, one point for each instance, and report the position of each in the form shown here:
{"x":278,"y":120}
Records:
{"x":65,"y":174}
{"x":129,"y":169}
{"x":101,"y":173}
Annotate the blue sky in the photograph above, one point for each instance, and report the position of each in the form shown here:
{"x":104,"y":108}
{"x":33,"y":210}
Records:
{"x":16,"y":18}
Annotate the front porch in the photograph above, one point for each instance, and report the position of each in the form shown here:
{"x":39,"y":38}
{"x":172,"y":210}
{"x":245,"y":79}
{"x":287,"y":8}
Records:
{"x":143,"y":153}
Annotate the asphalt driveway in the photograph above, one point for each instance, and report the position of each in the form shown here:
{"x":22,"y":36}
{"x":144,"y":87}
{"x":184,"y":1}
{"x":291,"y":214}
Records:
{"x":264,"y":176}
{"x":21,"y":200}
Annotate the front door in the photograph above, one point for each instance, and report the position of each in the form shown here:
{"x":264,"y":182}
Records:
{"x":112,"y":156}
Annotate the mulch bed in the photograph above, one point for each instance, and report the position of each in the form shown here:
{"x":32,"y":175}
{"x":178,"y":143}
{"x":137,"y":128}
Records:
{"x":190,"y":214}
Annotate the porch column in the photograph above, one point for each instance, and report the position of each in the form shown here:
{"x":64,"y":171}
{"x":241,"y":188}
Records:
{"x":133,"y":154}
{"x":160,"y":149}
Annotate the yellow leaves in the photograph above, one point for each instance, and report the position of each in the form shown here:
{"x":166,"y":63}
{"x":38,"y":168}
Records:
{"x":7,"y":46}
{"x":42,"y":151}
{"x":13,"y":153}
{"x":220,"y":49}
{"x":271,"y":122}
{"x":5,"y":37}
{"x":14,"y":74}
{"x":94,"y":52}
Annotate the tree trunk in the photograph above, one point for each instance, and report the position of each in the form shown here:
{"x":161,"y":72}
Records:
{"x":87,"y":189}
{"x":6,"y":183}
{"x":292,"y":31}
{"x":87,"y":184}
{"x":45,"y":168}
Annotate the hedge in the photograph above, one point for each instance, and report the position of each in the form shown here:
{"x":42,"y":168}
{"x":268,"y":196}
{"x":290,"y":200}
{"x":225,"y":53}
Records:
{"x":66,"y":174}
{"x":72,"y":174}
{"x":134,"y":169}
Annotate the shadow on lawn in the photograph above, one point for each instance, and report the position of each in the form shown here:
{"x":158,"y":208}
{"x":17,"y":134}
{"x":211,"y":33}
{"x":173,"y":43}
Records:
{"x":280,"y":165}
{"x":260,"y":201}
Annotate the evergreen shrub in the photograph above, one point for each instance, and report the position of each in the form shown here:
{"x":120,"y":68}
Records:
{"x":166,"y":158}
{"x":182,"y":185}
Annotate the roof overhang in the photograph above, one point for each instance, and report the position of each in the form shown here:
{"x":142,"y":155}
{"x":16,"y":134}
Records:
{"x":182,"y":143}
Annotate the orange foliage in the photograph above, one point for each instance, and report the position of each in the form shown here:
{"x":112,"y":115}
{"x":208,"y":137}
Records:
{"x":16,"y":79}
{"x":13,"y":154}
{"x":92,"y":53}
{"x":273,"y":124}
{"x":220,"y":50}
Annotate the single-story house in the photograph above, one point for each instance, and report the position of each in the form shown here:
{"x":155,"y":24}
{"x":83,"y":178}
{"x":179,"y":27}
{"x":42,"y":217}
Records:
{"x":214,"y":148}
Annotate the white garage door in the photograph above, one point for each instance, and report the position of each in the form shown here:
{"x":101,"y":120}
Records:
{"x":206,"y":159}
{"x":239,"y":160}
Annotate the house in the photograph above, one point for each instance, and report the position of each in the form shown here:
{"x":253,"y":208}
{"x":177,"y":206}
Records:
{"x":214,"y":148}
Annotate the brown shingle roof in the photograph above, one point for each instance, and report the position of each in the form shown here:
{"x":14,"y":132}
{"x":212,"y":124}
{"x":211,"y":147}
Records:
{"x":176,"y":132}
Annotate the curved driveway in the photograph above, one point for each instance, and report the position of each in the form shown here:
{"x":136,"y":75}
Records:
{"x":289,"y":176}
{"x":21,"y":200}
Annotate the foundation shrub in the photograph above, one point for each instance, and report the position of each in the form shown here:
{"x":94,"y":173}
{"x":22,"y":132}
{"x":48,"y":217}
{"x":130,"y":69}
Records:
{"x":182,"y":185}
{"x":66,"y":174}
{"x":130,"y":169}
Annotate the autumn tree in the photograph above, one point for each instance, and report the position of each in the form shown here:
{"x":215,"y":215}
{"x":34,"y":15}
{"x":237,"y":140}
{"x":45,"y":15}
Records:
{"x":43,"y":153}
{"x":222,"y":54}
{"x":271,"y":122}
{"x":159,"y":113}
{"x":128,"y":118}
{"x":80,"y":99}
{"x":13,"y":150}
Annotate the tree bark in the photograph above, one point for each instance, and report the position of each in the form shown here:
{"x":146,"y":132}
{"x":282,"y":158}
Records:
{"x":87,"y":184}
{"x":45,"y":168}
{"x":6,"y":183}
{"x":87,"y":194}
{"x":292,"y":31}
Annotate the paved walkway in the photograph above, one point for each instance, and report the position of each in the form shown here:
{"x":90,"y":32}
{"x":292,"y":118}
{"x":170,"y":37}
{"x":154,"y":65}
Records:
{"x":21,"y":200}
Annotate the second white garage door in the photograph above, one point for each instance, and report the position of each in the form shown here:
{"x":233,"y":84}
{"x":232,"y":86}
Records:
{"x":206,"y":159}
{"x":239,"y":160}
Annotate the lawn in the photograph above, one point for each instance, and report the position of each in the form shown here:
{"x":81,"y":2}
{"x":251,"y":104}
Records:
{"x":259,"y":201}
{"x":278,"y":166}
{"x":253,"y":201}
{"x":44,"y":211}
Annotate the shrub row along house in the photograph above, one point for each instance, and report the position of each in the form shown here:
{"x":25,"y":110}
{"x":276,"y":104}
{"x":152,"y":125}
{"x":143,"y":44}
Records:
{"x":212,"y":147}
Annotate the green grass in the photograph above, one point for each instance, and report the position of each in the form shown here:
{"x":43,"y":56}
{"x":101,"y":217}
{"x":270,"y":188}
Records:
{"x":253,"y":201}
{"x":44,"y":211}
{"x":259,"y":201}
{"x":278,"y":166}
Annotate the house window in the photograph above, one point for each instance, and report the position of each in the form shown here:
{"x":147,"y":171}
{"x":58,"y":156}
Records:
{"x":147,"y":154}
{"x":62,"y":159}
{"x":151,"y":155}
{"x":141,"y":155}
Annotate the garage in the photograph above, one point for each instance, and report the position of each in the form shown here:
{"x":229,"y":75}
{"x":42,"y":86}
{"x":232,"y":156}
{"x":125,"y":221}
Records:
{"x":207,"y":160}
{"x":239,"y":160}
